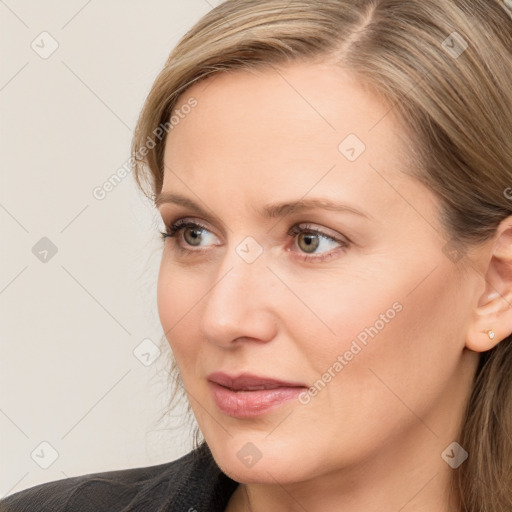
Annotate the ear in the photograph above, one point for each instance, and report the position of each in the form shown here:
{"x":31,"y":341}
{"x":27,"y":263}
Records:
{"x":494,"y":308}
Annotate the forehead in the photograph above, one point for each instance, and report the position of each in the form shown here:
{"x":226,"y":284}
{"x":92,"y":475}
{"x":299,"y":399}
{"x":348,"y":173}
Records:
{"x":302,"y":99}
{"x":293,"y":128}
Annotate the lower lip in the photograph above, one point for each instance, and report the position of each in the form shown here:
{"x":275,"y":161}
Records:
{"x":246,"y":404}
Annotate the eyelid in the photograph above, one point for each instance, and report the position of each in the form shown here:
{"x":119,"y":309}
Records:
{"x":177,"y":226}
{"x":173,"y":214}
{"x":296,"y":229}
{"x":343,"y":243}
{"x":184,"y":221}
{"x":306,"y":226}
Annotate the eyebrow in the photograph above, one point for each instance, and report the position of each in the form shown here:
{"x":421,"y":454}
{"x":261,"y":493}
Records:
{"x":269,"y":211}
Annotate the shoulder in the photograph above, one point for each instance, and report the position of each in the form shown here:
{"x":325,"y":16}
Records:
{"x":180,"y":485}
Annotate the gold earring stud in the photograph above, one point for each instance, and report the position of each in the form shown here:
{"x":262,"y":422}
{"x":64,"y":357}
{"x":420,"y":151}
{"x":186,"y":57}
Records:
{"x":491,"y":334}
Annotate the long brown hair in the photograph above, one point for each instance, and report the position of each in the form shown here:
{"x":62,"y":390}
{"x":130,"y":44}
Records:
{"x":445,"y":68}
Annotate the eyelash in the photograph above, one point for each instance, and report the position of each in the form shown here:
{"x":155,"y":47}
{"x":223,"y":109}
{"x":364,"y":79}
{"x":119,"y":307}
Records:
{"x":178,"y":226}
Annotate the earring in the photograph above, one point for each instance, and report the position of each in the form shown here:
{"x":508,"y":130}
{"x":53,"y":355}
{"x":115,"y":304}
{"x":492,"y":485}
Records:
{"x":491,"y":334}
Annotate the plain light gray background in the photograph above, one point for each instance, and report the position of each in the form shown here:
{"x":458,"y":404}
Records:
{"x":78,"y":274}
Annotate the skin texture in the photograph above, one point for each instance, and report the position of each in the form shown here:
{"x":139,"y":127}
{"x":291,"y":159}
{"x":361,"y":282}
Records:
{"x":372,"y":438}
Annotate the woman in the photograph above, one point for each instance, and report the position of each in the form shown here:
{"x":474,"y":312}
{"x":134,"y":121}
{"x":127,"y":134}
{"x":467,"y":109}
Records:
{"x":335,"y":178}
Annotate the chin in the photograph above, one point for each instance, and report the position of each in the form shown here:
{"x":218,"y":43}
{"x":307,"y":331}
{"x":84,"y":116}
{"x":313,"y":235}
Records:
{"x":259,"y":474}
{"x":248,"y":464}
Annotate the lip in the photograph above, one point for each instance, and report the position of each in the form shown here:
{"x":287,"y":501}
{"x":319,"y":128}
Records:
{"x":250,"y":382}
{"x":247,"y":395}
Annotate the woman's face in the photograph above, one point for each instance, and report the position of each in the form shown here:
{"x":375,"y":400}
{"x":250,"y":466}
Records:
{"x":360,"y":304}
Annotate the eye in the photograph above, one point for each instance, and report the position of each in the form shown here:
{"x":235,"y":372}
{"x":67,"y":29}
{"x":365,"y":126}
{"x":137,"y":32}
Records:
{"x":192,"y":233}
{"x":313,"y":244}
{"x":309,"y":240}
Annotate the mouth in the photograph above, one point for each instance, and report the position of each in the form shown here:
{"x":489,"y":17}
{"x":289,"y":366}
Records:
{"x":250,"y":382}
{"x":247,"y":395}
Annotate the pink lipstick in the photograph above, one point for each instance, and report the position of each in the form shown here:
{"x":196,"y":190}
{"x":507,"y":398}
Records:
{"x":248,"y":395}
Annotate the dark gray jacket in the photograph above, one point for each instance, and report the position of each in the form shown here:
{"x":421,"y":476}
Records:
{"x":193,"y":483}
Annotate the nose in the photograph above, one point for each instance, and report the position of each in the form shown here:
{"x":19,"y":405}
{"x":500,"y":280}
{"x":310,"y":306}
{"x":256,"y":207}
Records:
{"x":240,"y":304}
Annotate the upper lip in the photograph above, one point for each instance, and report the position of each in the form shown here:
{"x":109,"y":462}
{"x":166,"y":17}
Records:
{"x":249,"y":382}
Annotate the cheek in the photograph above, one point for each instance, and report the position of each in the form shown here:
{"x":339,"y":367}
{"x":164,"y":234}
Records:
{"x":167,"y":292}
{"x":336,"y":308}
{"x":394,"y":343}
{"x":397,"y":362}
{"x":393,"y":309}
{"x":178,"y":296}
